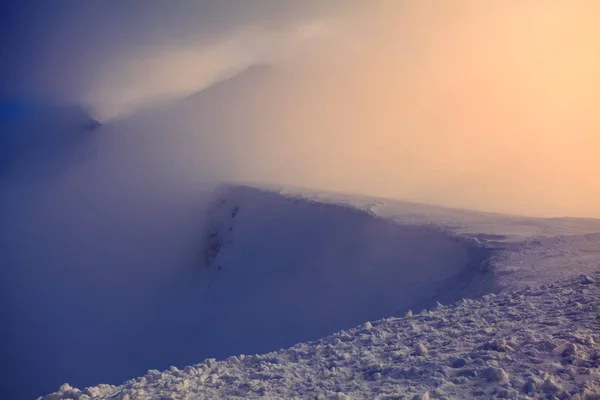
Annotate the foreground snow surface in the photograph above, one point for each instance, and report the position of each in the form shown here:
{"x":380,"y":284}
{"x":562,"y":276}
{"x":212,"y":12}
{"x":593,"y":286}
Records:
{"x":540,"y":342}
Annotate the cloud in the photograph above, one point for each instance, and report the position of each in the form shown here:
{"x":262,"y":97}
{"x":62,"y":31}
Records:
{"x":468,"y":104}
{"x":72,"y":49}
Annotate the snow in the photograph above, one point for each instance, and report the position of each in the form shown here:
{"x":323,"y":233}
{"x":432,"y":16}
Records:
{"x":477,"y":349}
{"x":280,"y":267}
{"x":305,"y":269}
{"x":533,"y":250}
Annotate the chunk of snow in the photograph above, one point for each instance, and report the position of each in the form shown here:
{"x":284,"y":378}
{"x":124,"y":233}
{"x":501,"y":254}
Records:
{"x":420,"y":350}
{"x":494,"y":374}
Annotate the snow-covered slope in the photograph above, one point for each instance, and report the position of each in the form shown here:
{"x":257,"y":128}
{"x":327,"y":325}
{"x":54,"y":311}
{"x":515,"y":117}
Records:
{"x":534,"y":250}
{"x":473,"y":349}
{"x":278,"y":266}
{"x":502,"y":227}
{"x":281,"y":270}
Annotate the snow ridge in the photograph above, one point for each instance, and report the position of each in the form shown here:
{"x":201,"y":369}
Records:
{"x":537,"y":343}
{"x":275,"y":268}
{"x":307,"y":269}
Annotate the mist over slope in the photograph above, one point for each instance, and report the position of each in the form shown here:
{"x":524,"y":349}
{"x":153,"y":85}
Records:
{"x":122,"y":259}
{"x":34,"y":131}
{"x":121,"y":251}
{"x":95,"y":226}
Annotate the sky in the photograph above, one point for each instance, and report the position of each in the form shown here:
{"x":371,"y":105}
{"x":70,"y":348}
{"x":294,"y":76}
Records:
{"x":485,"y":105}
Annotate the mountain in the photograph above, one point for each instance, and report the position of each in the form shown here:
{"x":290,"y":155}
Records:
{"x":280,"y":266}
{"x":127,"y":260}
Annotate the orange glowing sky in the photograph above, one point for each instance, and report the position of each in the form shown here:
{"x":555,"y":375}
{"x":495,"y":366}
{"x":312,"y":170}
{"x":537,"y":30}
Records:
{"x":484,"y":105}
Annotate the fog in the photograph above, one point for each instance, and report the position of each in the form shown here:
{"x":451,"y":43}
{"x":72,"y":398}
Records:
{"x":490,"y":106}
{"x":486,"y":106}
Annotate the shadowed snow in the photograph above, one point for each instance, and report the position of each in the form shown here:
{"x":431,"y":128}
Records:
{"x":472,"y":350}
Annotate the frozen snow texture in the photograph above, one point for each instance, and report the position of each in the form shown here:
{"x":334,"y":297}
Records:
{"x":555,"y":354}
